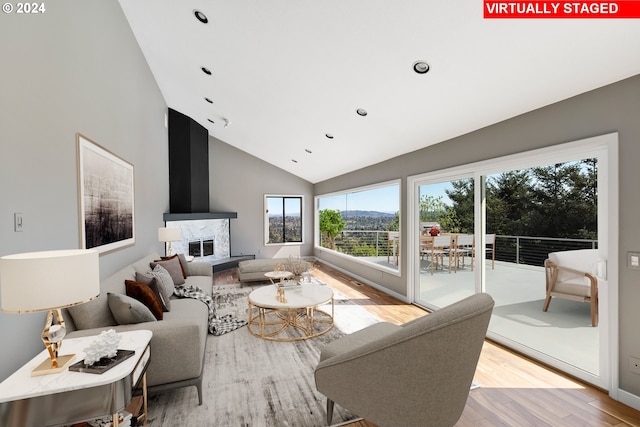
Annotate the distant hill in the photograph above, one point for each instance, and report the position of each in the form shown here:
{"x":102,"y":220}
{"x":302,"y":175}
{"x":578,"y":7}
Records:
{"x":368,"y":214}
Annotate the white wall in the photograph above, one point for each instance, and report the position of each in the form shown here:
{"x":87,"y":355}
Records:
{"x":75,"y":68}
{"x":238,"y":182}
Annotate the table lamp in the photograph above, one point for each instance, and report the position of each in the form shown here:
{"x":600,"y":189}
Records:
{"x":168,"y":235}
{"x":49,"y":281}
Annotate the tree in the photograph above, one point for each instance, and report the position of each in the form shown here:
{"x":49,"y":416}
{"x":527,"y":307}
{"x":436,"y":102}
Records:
{"x":552,"y":200}
{"x":459,"y":217}
{"x":584,"y":193}
{"x":431,"y":207}
{"x":395,"y":224}
{"x":509,"y":205}
{"x":331,"y":224}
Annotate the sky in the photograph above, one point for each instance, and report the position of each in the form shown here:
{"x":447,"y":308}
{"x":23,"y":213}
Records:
{"x":386,"y":199}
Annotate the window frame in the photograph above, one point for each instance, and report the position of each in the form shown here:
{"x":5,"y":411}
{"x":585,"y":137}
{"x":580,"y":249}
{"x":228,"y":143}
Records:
{"x":267,"y":225}
{"x":395,"y":182}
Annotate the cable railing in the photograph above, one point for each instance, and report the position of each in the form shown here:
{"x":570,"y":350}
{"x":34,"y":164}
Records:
{"x":534,"y":250}
{"x":526,"y":250}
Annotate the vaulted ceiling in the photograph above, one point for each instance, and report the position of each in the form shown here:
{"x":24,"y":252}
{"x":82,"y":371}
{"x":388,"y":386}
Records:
{"x":286,"y":78}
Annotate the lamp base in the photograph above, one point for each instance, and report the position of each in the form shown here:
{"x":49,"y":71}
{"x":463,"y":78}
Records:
{"x":45,"y":367}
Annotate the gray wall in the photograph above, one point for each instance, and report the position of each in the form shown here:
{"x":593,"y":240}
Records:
{"x":238,"y":182}
{"x":75,"y":68}
{"x":608,"y":109}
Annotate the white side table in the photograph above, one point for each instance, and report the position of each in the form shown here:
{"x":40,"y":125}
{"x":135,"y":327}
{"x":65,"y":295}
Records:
{"x":68,"y":397}
{"x":278,"y":275}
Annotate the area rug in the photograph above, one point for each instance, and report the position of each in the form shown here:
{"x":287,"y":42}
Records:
{"x":253,"y":382}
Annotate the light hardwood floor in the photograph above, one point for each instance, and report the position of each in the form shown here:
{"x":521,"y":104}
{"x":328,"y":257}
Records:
{"x":514,"y":390}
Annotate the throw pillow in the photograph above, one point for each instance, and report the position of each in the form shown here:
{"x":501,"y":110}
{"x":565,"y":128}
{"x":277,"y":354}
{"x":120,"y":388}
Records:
{"x":185,"y":265}
{"x":127,"y":310}
{"x":181,"y":259}
{"x":165,"y":286}
{"x":145,"y":295}
{"x":172,"y":265}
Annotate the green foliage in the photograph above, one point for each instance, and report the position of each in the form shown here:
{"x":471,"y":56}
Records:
{"x":395,"y":224}
{"x":331,"y":224}
{"x":558,"y":200}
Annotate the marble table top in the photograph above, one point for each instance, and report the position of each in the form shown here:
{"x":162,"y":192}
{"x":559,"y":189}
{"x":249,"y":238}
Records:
{"x":21,"y":385}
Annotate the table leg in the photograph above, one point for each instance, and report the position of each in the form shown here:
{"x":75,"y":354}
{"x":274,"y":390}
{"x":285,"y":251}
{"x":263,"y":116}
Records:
{"x":144,"y":398}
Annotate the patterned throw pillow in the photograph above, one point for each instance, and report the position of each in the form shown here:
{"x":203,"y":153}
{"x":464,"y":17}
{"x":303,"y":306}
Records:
{"x":127,"y":310}
{"x":165,"y":284}
{"x":172,"y":265}
{"x":146,"y":295}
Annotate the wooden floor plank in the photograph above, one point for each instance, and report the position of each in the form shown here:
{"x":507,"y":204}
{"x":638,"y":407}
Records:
{"x":514,"y":390}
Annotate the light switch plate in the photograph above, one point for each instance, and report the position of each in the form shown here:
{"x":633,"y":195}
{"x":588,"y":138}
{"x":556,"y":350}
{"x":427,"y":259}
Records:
{"x":18,"y":222}
{"x":633,"y":260}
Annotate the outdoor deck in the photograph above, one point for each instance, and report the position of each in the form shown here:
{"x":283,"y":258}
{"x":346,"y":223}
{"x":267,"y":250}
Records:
{"x":564,"y":332}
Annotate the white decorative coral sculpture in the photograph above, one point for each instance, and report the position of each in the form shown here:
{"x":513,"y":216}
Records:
{"x":297,"y":266}
{"x":105,"y":346}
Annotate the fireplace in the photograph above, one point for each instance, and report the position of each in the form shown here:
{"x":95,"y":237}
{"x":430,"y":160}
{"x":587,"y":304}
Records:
{"x":201,"y":247}
{"x":204,"y":239}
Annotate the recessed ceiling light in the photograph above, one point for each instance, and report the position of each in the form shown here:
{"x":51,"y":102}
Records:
{"x":201,"y":16}
{"x":209,"y":100}
{"x":307,"y":150}
{"x":211,"y":121}
{"x":328,"y":135}
{"x":421,"y":67}
{"x":361,"y":112}
{"x":206,"y":71}
{"x":294,"y":160}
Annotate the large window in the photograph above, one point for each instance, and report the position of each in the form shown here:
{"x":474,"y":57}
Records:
{"x":283,"y":219}
{"x":362,"y":223}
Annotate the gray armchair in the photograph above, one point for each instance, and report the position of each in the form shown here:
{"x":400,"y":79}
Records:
{"x":416,"y":374}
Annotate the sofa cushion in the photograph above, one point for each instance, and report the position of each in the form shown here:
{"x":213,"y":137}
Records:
{"x":93,"y":314}
{"x":127,"y":310}
{"x":260,"y":265}
{"x":164,"y":282}
{"x":146,"y":295}
{"x":173,"y":266}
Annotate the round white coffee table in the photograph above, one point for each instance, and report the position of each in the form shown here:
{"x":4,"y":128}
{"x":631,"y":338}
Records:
{"x":270,"y":316}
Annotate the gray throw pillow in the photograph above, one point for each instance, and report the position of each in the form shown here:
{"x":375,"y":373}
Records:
{"x":172,"y":265}
{"x":164,"y":283}
{"x":127,"y":310}
{"x":185,"y":264}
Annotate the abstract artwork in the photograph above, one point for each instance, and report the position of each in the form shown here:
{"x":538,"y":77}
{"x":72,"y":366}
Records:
{"x":105,"y":198}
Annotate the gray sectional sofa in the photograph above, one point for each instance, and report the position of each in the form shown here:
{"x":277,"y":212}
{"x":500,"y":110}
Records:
{"x":178,"y":342}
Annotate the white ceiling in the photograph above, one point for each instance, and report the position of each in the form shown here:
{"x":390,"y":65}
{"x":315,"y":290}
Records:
{"x":285,"y":73}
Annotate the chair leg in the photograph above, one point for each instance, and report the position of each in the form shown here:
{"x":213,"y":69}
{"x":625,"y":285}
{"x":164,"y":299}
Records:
{"x":594,"y":312}
{"x":329,"y":411}
{"x":547,"y":300}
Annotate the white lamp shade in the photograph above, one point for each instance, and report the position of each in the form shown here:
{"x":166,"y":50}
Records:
{"x":39,"y":281}
{"x":169,"y":234}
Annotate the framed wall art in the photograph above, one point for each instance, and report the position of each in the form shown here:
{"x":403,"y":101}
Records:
{"x":106,"y":198}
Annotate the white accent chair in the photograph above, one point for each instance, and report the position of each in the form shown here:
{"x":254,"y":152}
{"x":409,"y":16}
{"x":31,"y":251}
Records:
{"x":572,"y":275}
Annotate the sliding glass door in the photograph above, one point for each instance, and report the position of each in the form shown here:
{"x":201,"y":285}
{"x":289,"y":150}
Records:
{"x":531,"y":213}
{"x":491,"y":226}
{"x":447,"y":244}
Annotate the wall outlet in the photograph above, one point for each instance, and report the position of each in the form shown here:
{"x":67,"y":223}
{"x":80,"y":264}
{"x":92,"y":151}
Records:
{"x":634,"y":365}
